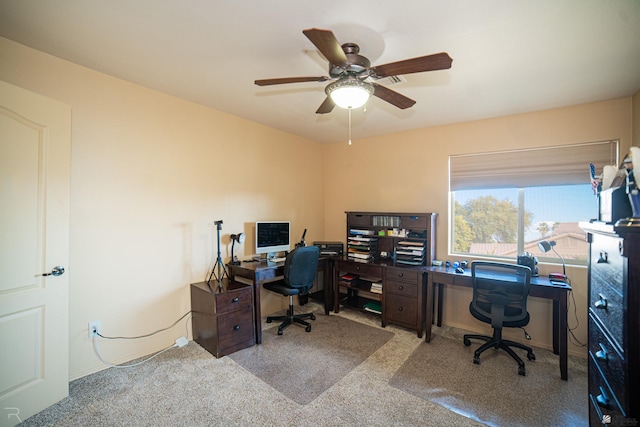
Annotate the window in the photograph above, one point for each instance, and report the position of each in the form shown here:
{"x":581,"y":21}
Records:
{"x":503,"y":204}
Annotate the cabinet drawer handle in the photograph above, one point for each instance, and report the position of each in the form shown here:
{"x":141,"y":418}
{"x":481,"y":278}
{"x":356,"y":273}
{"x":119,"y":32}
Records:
{"x":401,"y":275}
{"x":603,"y":400}
{"x":400,"y":308}
{"x":235,"y":300}
{"x":603,"y":258}
{"x":400,"y":287}
{"x":602,"y":353}
{"x":236,"y":328}
{"x":601,"y":303}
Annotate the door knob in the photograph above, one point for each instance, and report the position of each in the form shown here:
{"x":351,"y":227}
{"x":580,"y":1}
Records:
{"x":58,"y":270}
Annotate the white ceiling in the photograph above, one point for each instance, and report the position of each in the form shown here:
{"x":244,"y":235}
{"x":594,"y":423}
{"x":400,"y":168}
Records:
{"x":509,"y":56}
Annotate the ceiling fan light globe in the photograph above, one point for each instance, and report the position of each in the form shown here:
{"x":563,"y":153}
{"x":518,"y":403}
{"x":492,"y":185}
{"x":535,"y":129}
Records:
{"x":349,"y":93}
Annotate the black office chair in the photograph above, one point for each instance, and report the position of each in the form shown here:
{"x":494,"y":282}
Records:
{"x":500,"y":294}
{"x":300,"y":269}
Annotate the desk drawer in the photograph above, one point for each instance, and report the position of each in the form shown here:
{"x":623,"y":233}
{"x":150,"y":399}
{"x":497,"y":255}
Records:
{"x":400,"y":309}
{"x":362,"y":269}
{"x":606,"y":295}
{"x":403,"y":275}
{"x":235,"y":327}
{"x":401,"y":288}
{"x":601,"y":398}
{"x":232,"y":300}
{"x":606,"y":356}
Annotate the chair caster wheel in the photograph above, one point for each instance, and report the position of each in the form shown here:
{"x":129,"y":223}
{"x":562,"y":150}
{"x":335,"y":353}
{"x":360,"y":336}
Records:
{"x":467,"y":342}
{"x":476,"y":360}
{"x":269,"y":320}
{"x":313,"y":317}
{"x":308,"y":329}
{"x":521,"y":371}
{"x":531,"y":356}
{"x":279,"y":331}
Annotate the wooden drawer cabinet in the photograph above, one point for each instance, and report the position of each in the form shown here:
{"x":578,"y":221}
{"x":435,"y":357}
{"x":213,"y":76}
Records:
{"x":222,"y":319}
{"x":403,"y":293}
{"x":614,"y":322}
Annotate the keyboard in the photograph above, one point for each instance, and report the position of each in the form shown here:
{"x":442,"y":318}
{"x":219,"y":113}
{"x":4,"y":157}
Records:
{"x":281,"y":259}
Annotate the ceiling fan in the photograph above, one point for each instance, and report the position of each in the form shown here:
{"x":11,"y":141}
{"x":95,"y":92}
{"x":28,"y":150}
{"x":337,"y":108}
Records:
{"x":353,"y":73}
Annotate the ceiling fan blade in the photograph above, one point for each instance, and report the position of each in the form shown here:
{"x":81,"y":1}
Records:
{"x":326,"y":106}
{"x":269,"y":82}
{"x":437,"y":61}
{"x":327,"y":44}
{"x":392,"y":97}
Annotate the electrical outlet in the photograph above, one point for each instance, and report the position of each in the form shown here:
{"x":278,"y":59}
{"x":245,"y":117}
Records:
{"x":95,"y":328}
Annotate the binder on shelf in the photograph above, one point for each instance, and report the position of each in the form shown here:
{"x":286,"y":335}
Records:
{"x":361,"y":232}
{"x":411,"y":243}
{"x":360,"y":255}
{"x":349,"y":279}
{"x":402,"y":251}
{"x":373,"y":306}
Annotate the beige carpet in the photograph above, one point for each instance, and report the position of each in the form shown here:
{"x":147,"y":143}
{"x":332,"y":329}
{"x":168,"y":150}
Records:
{"x":481,"y":391}
{"x":189,"y":387}
{"x":303,"y":365}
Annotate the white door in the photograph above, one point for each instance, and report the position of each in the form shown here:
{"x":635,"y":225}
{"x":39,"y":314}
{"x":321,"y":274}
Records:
{"x":35,"y":154}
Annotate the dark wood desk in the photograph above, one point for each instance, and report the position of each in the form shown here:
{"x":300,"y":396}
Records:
{"x":263,"y":272}
{"x":541,"y":287}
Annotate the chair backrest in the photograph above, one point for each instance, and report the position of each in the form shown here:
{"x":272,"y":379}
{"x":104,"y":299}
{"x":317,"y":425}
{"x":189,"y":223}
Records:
{"x":301,"y":267}
{"x":500,"y":288}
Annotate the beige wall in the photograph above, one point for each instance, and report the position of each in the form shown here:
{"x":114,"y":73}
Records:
{"x":150,"y":174}
{"x":409,"y":172}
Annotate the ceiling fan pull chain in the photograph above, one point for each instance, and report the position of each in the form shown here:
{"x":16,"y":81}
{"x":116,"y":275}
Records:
{"x":349,"y":126}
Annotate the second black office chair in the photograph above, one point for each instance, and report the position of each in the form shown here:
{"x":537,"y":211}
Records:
{"x":500,"y":294}
{"x":300,"y":269}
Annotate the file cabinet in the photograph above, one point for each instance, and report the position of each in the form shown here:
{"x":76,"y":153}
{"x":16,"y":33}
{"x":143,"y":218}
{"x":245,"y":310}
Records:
{"x":222,"y":318}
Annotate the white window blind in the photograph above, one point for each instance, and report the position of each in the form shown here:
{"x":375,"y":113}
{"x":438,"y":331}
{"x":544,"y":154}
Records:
{"x":533,"y":167}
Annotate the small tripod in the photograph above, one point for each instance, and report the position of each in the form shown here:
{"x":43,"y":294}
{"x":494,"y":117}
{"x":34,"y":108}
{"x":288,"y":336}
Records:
{"x":222,"y":270}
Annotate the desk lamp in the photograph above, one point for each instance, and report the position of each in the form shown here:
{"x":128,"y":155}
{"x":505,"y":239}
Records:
{"x":546,"y":246}
{"x":236,"y":238}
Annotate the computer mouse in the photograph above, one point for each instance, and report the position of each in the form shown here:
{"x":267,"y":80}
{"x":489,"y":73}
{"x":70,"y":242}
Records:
{"x":460,"y":270}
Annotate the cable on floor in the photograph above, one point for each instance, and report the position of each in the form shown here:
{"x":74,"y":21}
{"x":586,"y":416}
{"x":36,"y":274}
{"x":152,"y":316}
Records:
{"x":180,"y":342}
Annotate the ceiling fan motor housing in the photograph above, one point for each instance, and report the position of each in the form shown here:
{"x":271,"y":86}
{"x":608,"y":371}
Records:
{"x":356,"y":64}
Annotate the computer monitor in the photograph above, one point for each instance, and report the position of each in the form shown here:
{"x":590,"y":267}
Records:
{"x":272,"y":237}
